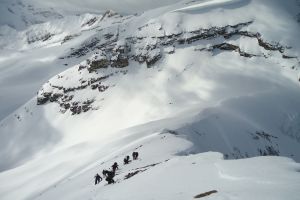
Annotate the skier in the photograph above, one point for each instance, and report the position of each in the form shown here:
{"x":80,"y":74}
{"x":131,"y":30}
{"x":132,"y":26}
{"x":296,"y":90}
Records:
{"x":98,"y":179}
{"x":135,"y":155}
{"x":126,"y":160}
{"x":115,"y":166}
{"x":109,"y":176}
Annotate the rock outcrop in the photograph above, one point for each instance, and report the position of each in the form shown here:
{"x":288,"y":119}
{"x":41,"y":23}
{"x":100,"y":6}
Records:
{"x":111,"y":51}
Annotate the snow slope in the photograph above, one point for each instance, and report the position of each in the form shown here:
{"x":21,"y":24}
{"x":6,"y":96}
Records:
{"x":174,"y":82}
{"x":160,"y":173}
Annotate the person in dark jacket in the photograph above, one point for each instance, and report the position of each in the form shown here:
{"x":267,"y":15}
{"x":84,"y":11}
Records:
{"x":109,"y":176}
{"x":115,"y":166}
{"x":98,"y":179}
{"x":135,"y":155}
{"x":126,"y":160}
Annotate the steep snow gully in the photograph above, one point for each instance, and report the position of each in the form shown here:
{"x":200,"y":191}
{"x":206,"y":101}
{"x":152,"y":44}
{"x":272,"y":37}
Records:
{"x":207,"y":91}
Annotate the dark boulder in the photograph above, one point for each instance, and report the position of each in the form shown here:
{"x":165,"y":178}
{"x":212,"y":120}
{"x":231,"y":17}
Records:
{"x":54,"y":97}
{"x":98,"y":64}
{"x":120,"y":62}
{"x":44,"y":98}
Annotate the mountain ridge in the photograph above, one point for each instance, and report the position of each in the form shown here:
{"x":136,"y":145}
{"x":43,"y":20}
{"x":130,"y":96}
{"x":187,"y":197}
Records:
{"x":173,"y":83}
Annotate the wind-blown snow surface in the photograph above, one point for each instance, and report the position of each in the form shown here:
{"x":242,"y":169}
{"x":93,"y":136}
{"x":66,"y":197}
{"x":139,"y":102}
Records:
{"x":201,"y":76}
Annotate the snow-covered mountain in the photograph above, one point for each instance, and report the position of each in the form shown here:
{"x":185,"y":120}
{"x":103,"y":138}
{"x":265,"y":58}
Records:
{"x":173,"y":83}
{"x":19,"y":14}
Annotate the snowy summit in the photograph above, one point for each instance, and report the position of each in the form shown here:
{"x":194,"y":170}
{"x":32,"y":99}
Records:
{"x":152,"y":100}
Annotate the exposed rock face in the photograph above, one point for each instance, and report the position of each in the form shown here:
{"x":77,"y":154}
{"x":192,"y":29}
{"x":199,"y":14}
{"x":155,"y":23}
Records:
{"x":42,"y":99}
{"x":120,"y":61}
{"x":267,"y":145}
{"x":68,"y":38}
{"x":113,"y":53}
{"x":98,"y":64}
{"x":77,"y":107}
{"x":109,"y":13}
{"x":90,"y":22}
{"x":149,"y":49}
{"x":205,"y":194}
{"x":64,"y":96}
{"x":54,"y":97}
{"x":230,"y":47}
{"x":84,"y":49}
{"x":227,"y":47}
{"x":153,"y":57}
{"x":42,"y":37}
